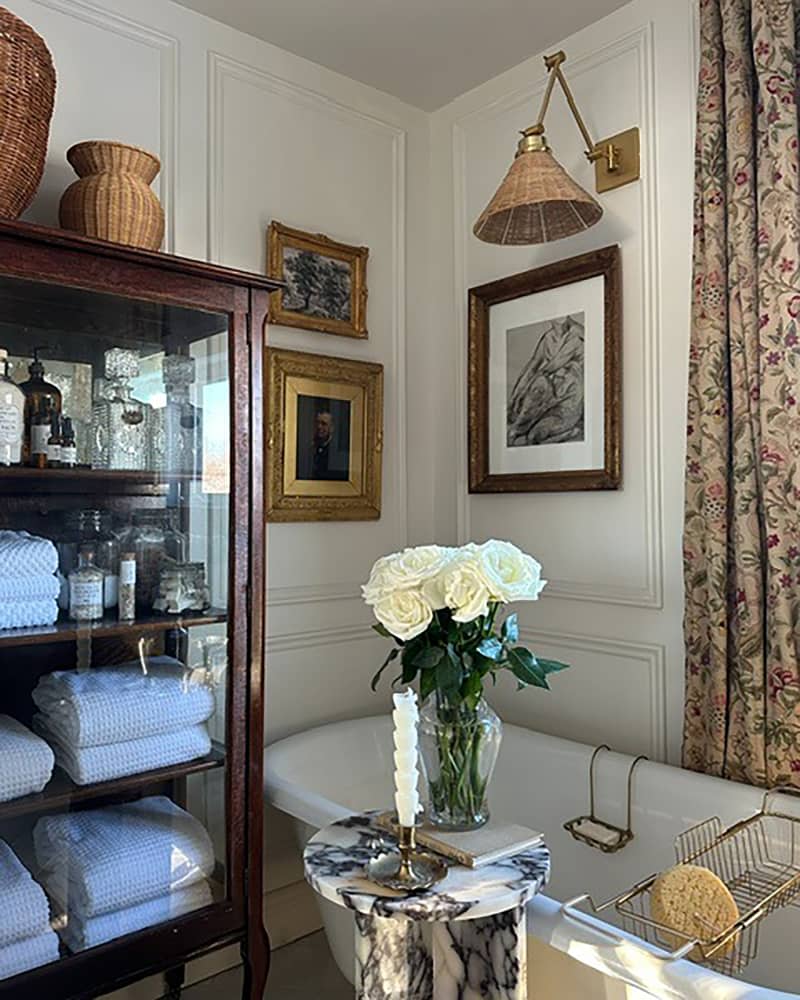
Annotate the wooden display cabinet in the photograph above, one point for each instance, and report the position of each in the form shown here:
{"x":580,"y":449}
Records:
{"x":75,"y":298}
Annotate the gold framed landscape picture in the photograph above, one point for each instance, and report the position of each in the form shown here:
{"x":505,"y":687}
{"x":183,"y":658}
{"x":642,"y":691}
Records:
{"x":545,"y":378}
{"x":325,"y":438}
{"x":326,"y":282}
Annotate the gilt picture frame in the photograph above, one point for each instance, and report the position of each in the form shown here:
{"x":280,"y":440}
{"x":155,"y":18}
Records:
{"x":545,"y":378}
{"x":325,"y":282}
{"x":324,"y":441}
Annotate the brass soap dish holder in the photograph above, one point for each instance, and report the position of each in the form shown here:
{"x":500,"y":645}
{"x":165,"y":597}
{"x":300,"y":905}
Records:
{"x":595,"y":832}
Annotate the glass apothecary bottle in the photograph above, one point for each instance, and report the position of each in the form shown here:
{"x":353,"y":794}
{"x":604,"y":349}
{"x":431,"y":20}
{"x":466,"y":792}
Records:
{"x":93,"y":529}
{"x":12,"y":415}
{"x":42,"y":400}
{"x":176,"y":440}
{"x":155,"y":538}
{"x":120,"y":422}
{"x":86,"y":588}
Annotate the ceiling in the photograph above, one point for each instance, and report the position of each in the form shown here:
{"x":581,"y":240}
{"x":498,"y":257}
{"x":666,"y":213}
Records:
{"x":425,"y":52}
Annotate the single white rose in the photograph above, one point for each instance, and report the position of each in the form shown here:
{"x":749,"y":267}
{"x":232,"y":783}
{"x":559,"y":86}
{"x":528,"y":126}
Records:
{"x":405,"y":613}
{"x":460,"y":586}
{"x":404,"y":570}
{"x":511,"y":575}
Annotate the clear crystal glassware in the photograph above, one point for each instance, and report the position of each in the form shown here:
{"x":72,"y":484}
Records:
{"x":459,"y":748}
{"x":176,"y":439}
{"x":121,"y":423}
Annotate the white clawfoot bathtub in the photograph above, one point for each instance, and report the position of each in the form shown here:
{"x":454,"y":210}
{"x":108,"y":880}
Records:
{"x":541,"y":781}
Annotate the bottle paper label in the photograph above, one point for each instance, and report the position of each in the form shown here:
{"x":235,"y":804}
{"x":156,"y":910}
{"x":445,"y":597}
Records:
{"x":53,"y":453}
{"x":127,"y":573}
{"x":84,"y":593}
{"x":39,"y":435}
{"x":69,"y":454}
{"x":11,"y":430}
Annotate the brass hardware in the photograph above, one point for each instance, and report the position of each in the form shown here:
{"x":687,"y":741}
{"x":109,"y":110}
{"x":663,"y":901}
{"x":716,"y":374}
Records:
{"x":407,"y":869}
{"x":623,"y":836}
{"x":616,"y":159}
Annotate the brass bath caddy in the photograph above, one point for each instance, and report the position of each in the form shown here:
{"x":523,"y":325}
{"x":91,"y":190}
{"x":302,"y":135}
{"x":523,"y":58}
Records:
{"x":598,"y":833}
{"x":758,"y":859}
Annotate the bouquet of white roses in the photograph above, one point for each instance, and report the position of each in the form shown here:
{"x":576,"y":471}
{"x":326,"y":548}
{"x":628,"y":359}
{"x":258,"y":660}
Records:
{"x":440,"y":605}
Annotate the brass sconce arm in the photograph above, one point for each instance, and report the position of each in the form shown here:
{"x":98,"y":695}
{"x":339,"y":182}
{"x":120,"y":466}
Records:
{"x":619,"y":155}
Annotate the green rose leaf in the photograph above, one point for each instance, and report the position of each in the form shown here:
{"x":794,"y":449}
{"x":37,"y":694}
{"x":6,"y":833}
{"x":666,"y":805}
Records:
{"x":525,"y":667}
{"x":427,"y":683}
{"x":510,"y":629}
{"x":551,"y":666}
{"x":472,"y":689}
{"x":491,"y":648}
{"x":448,"y":672}
{"x":393,"y":654}
{"x":429,"y":657}
{"x":384,"y":631}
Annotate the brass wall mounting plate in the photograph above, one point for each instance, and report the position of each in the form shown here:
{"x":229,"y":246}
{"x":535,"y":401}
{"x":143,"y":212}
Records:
{"x":626,"y":149}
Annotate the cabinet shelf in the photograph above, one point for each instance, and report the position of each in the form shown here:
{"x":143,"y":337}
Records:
{"x":16,"y":479}
{"x":61,"y":792}
{"x":66,"y":630}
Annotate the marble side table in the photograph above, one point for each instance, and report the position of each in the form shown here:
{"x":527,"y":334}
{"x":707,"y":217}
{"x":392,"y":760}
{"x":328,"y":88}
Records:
{"x":464,"y":939}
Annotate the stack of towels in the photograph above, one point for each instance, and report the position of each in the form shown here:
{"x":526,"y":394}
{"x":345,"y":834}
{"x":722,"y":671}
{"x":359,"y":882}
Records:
{"x":28,"y":585}
{"x":26,"y":940}
{"x":26,"y":761}
{"x":109,"y":722}
{"x":119,"y":869}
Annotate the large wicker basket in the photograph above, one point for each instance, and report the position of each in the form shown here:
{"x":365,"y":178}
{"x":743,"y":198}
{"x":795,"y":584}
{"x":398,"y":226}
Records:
{"x":27,"y":92}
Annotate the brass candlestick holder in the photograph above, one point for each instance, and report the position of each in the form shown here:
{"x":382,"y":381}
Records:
{"x":408,"y":869}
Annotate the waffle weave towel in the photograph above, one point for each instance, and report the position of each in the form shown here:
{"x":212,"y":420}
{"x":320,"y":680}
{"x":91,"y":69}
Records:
{"x":87,"y":765}
{"x":26,"y":761}
{"x":81,"y":932}
{"x":24,"y":911}
{"x":28,"y":613}
{"x":29,"y":588}
{"x":99,"y":860}
{"x":22,"y":554}
{"x":29,"y":953}
{"x":113,"y":704}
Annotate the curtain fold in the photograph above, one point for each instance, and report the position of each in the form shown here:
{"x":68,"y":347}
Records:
{"x":742,"y":508}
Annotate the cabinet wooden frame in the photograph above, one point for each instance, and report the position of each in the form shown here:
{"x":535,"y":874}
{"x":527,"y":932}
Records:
{"x":603,"y":263}
{"x":57,"y":258}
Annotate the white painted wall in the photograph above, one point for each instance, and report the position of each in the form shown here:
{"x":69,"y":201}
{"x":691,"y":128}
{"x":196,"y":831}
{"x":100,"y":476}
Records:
{"x":613,"y":608}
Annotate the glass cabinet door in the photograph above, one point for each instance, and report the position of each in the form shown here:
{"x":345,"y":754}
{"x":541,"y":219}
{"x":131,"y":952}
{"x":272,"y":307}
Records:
{"x":115,"y":480}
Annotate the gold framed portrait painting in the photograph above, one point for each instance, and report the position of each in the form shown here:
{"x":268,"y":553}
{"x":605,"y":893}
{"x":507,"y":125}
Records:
{"x":325,"y":438}
{"x":325,"y":282}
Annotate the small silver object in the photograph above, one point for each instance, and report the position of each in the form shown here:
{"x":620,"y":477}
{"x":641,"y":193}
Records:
{"x":407,"y":869}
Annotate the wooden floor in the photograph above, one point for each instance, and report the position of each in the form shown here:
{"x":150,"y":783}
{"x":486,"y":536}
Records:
{"x":303,"y":970}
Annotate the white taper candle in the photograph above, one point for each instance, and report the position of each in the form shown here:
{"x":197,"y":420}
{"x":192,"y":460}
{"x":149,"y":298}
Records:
{"x":405,"y":717}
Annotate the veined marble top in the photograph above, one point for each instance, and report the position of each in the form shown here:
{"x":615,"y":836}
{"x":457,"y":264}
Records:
{"x":335,"y":859}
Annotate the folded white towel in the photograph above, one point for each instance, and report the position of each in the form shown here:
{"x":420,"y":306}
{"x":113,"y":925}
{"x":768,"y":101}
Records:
{"x":88,"y":765}
{"x":29,"y":953}
{"x":28,"y":613}
{"x":100,"y":860}
{"x":26,"y":761}
{"x":22,"y":554}
{"x":79,"y":933}
{"x":111,"y":704}
{"x":29,"y":588}
{"x":24,"y":911}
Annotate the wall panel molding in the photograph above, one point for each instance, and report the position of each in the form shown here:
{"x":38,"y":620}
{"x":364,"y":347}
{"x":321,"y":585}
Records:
{"x":640,"y":42}
{"x":168,"y":47}
{"x":305,"y":638}
{"x":652,"y":656}
{"x":223,"y":68}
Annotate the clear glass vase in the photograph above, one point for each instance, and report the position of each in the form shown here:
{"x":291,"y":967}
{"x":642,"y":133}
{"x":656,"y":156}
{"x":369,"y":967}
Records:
{"x":459,"y":747}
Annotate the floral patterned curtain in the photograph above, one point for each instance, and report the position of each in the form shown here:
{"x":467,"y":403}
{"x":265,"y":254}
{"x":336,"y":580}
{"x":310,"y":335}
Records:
{"x":742,"y":540}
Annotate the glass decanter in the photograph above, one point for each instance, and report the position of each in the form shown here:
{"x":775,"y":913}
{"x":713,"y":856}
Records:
{"x":176,"y":438}
{"x":120,"y":439}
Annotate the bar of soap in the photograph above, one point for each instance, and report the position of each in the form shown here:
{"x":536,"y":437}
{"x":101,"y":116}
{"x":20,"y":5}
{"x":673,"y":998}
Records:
{"x":597,"y":832}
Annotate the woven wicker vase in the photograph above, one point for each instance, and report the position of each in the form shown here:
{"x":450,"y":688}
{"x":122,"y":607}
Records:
{"x":27,"y":91}
{"x":113,"y":199}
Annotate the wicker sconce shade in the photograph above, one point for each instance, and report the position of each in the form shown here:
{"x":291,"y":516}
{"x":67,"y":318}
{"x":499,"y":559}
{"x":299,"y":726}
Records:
{"x":537,"y":202}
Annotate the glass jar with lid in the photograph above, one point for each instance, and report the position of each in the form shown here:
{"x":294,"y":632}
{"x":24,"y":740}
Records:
{"x":155,"y":537}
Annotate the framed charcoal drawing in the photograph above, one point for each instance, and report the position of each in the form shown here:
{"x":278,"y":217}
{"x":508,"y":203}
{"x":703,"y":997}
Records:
{"x":324,"y":441}
{"x":326,"y":282}
{"x":545,"y":378}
